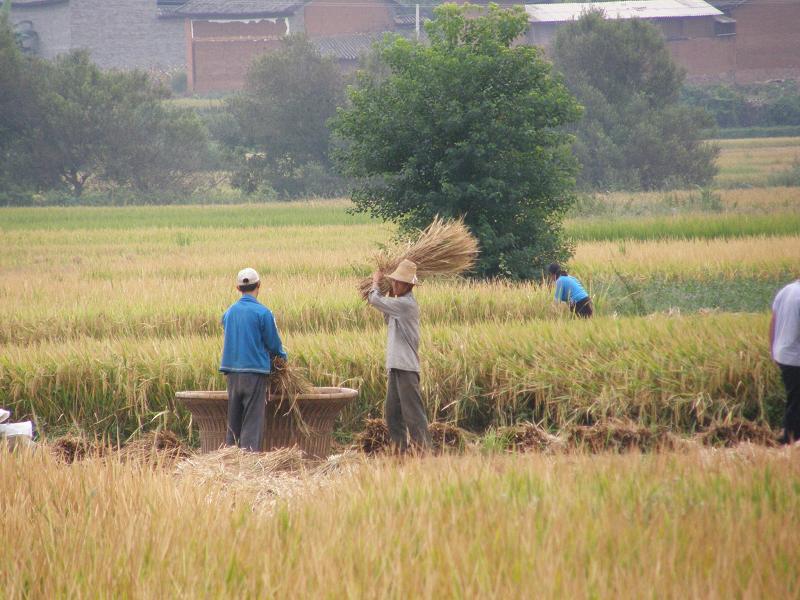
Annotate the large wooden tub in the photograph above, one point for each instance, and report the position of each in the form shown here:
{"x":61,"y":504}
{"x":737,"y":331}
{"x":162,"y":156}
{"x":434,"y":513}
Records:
{"x":281,"y":429}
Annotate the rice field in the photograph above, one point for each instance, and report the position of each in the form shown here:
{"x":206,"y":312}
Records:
{"x":125,"y":311}
{"x":750,"y":163}
{"x":706,"y":524}
{"x":105,"y":313}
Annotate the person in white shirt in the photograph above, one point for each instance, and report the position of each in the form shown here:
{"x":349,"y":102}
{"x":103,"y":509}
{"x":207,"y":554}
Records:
{"x":784,"y":338}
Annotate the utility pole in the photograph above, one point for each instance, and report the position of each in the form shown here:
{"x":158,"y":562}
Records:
{"x":416,"y":22}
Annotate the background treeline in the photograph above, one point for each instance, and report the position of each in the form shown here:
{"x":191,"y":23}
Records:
{"x":773,"y":104}
{"x":71,"y":133}
{"x":66,"y":127}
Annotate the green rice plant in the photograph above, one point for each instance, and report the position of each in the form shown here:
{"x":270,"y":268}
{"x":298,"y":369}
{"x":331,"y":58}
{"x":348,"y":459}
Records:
{"x":684,"y":227}
{"x":245,"y":216}
{"x":696,"y":203}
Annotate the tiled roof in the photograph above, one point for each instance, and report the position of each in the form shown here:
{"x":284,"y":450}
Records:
{"x":236,"y":8}
{"x":727,"y":4}
{"x":346,"y":47}
{"x":643,"y":9}
{"x":27,"y":3}
{"x":409,"y":20}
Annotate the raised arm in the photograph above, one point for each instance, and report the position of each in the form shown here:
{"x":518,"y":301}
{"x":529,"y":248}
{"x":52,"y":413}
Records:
{"x":390,"y":307}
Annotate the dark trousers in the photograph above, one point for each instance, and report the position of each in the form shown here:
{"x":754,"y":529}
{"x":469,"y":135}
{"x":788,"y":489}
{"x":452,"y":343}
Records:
{"x":583,"y":308}
{"x":791,"y":420}
{"x":247,"y":400}
{"x":405,"y":413}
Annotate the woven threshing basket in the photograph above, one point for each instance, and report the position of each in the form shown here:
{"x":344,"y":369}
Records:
{"x":281,"y":429}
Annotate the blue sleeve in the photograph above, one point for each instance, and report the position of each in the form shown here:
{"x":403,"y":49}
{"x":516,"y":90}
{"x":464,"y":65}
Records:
{"x":270,"y":335}
{"x":560,"y":289}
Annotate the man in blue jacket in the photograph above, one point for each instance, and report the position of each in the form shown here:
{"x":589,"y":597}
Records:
{"x":251,"y":342}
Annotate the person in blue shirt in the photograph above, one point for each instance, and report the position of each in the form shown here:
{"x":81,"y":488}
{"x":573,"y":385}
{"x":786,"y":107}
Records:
{"x":251,"y":343}
{"x":570,"y":290}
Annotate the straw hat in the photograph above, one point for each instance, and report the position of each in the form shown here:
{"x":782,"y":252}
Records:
{"x":406,"y":272}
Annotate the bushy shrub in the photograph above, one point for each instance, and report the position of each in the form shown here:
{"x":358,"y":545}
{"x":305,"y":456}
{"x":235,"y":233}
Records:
{"x":66,"y":123}
{"x":277,"y":127}
{"x":635,"y":134}
{"x":775,"y":104}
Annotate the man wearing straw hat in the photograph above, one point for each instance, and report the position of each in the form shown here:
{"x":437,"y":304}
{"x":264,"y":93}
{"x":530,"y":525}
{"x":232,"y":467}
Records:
{"x":251,"y":340}
{"x":405,"y":413}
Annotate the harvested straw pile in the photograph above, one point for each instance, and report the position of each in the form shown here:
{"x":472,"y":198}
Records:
{"x":528,"y":437}
{"x":72,"y":448}
{"x":375,"y":437}
{"x":618,"y":435}
{"x":260,"y":478}
{"x":735,"y":431}
{"x":156,"y":448}
{"x":446,"y":437}
{"x":443,"y":248}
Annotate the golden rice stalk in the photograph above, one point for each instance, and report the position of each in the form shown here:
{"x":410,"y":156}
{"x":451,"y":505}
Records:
{"x":287,"y":382}
{"x":445,"y":247}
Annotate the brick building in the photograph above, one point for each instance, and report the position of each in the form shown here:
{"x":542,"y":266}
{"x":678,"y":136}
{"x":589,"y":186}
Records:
{"x":117,"y":33}
{"x":741,"y":41}
{"x":223,"y":36}
{"x":766,"y":42}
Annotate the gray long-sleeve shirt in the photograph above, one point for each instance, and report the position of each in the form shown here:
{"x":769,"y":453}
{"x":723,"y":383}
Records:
{"x":402,"y":316}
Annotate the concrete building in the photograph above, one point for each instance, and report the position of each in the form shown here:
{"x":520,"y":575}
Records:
{"x":117,"y":33}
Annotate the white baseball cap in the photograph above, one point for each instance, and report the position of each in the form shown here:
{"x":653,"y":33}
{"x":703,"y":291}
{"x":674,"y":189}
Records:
{"x":247,"y":276}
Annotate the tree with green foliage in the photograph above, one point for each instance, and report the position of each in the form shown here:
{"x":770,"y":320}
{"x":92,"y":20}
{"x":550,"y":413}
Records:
{"x":112,"y":126}
{"x":65,"y":123}
{"x":152,"y":146}
{"x":282,"y":115}
{"x":17,"y":111}
{"x":635,"y":133}
{"x":471,"y":125}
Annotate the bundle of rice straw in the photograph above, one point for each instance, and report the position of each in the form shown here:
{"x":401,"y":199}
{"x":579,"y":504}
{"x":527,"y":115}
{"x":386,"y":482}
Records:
{"x":530,"y":437}
{"x":446,"y":437}
{"x":72,"y":448}
{"x":375,"y":437}
{"x":618,"y":435}
{"x":734,"y":431}
{"x":445,"y":247}
{"x":287,"y":380}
